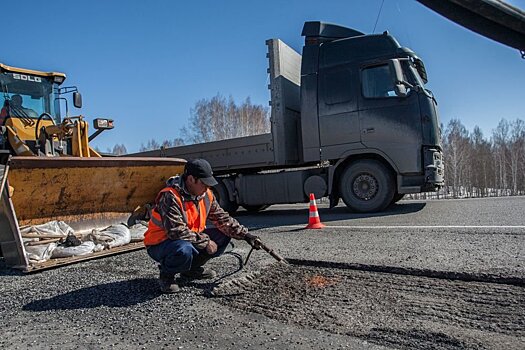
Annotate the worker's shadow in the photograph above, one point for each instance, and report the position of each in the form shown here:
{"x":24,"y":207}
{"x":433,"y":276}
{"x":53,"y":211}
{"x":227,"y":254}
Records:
{"x":122,"y":293}
{"x":115,"y":294}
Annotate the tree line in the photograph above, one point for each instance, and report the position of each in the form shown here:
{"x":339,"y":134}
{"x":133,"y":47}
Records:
{"x":217,"y":119}
{"x":476,"y":166}
{"x":212,"y":119}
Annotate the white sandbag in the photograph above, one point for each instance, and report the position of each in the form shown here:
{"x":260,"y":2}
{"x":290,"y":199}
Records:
{"x":40,"y":253}
{"x":98,"y":248}
{"x":65,"y":252}
{"x":112,"y":236}
{"x":52,"y":227}
{"x":137,"y":231}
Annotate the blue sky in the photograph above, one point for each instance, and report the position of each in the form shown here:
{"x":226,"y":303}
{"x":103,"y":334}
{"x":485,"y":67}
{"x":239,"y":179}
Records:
{"x":146,"y":63}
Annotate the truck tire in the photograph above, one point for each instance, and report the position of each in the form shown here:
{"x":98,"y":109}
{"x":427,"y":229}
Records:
{"x":221,"y":193}
{"x":367,"y":186}
{"x":255,"y":208}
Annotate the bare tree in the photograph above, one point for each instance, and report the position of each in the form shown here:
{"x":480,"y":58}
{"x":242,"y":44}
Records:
{"x":219,"y":119}
{"x":482,"y":162}
{"x":119,"y":150}
{"x":456,"y":149}
{"x":516,"y":141}
{"x":150,"y":145}
{"x":154,"y":144}
{"x":500,"y":138}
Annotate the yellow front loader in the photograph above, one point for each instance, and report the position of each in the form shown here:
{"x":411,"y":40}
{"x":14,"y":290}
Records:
{"x":50,"y":174}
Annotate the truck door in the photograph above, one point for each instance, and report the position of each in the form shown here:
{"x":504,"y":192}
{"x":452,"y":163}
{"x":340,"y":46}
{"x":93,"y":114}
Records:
{"x":387,"y":122}
{"x":338,"y":114}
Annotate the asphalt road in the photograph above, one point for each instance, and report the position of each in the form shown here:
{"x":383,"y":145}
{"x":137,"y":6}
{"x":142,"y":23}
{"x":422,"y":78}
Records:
{"x":472,"y":236}
{"x":508,"y":211}
{"x":424,"y":274}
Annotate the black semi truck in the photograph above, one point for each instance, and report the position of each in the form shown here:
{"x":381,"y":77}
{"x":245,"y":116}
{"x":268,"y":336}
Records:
{"x":350,"y":118}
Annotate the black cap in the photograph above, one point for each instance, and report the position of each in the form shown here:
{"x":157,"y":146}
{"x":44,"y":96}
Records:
{"x":200,"y":169}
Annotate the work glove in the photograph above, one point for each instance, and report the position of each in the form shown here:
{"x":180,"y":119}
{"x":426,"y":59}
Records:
{"x":253,"y":240}
{"x":201,"y":240}
{"x":211,"y":248}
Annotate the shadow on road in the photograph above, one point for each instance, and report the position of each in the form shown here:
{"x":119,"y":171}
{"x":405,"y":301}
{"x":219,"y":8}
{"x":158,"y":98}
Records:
{"x":122,"y":293}
{"x":269,"y":216}
{"x":7,"y":271}
{"x":114,"y":294}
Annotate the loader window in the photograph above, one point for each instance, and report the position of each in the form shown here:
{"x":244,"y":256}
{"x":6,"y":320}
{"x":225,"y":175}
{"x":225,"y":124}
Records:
{"x":378,"y":82}
{"x":36,"y":95}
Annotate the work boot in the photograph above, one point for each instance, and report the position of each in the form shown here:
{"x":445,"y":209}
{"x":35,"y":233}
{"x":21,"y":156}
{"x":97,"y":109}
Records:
{"x":167,"y":283}
{"x":199,"y":273}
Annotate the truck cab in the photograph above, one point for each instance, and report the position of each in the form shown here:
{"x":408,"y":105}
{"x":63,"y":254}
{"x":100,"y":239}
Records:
{"x":364,"y":96}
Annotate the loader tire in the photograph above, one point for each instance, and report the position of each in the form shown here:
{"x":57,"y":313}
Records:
{"x":367,"y":186}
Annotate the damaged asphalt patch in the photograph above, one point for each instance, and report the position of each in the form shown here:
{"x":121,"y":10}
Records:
{"x":391,"y":309}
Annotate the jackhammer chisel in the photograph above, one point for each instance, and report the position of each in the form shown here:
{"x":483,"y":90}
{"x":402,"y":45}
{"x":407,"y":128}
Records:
{"x":258,"y":244}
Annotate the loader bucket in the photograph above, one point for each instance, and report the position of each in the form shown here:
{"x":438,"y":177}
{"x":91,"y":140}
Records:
{"x":85,"y":193}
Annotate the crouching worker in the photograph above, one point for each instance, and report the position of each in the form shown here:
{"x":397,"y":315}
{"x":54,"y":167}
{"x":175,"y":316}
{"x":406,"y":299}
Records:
{"x":177,"y":237}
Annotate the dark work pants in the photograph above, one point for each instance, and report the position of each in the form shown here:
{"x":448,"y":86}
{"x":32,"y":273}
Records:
{"x":177,"y":256}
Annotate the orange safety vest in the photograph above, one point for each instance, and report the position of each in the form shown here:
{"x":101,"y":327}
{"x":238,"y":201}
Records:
{"x":196,"y":222}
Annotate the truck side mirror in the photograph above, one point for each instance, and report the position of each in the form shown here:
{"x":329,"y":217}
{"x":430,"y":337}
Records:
{"x":401,"y":90}
{"x":420,"y":66}
{"x":77,"y":99}
{"x":400,"y":85}
{"x":396,"y":71}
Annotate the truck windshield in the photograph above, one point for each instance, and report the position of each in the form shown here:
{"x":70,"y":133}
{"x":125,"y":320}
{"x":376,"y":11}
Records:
{"x":27,"y":96}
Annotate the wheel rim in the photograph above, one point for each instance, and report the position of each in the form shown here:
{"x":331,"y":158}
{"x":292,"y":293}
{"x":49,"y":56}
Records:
{"x":365,"y":187}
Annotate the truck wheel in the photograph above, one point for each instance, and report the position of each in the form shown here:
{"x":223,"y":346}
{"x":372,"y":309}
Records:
{"x":255,"y":208}
{"x":221,"y":193}
{"x":367,"y":186}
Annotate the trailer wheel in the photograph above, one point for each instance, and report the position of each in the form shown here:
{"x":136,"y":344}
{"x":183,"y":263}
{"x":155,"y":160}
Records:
{"x":367,"y":186}
{"x":255,"y":208}
{"x":221,"y":193}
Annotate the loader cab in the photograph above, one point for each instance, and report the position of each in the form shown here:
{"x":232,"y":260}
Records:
{"x":28,"y":101}
{"x":37,"y":92}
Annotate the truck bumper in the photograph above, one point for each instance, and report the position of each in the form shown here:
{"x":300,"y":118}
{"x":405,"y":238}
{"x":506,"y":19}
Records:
{"x":431,"y":180}
{"x":434,"y":170}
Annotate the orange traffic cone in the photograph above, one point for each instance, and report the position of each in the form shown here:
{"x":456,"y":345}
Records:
{"x":313,"y":220}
